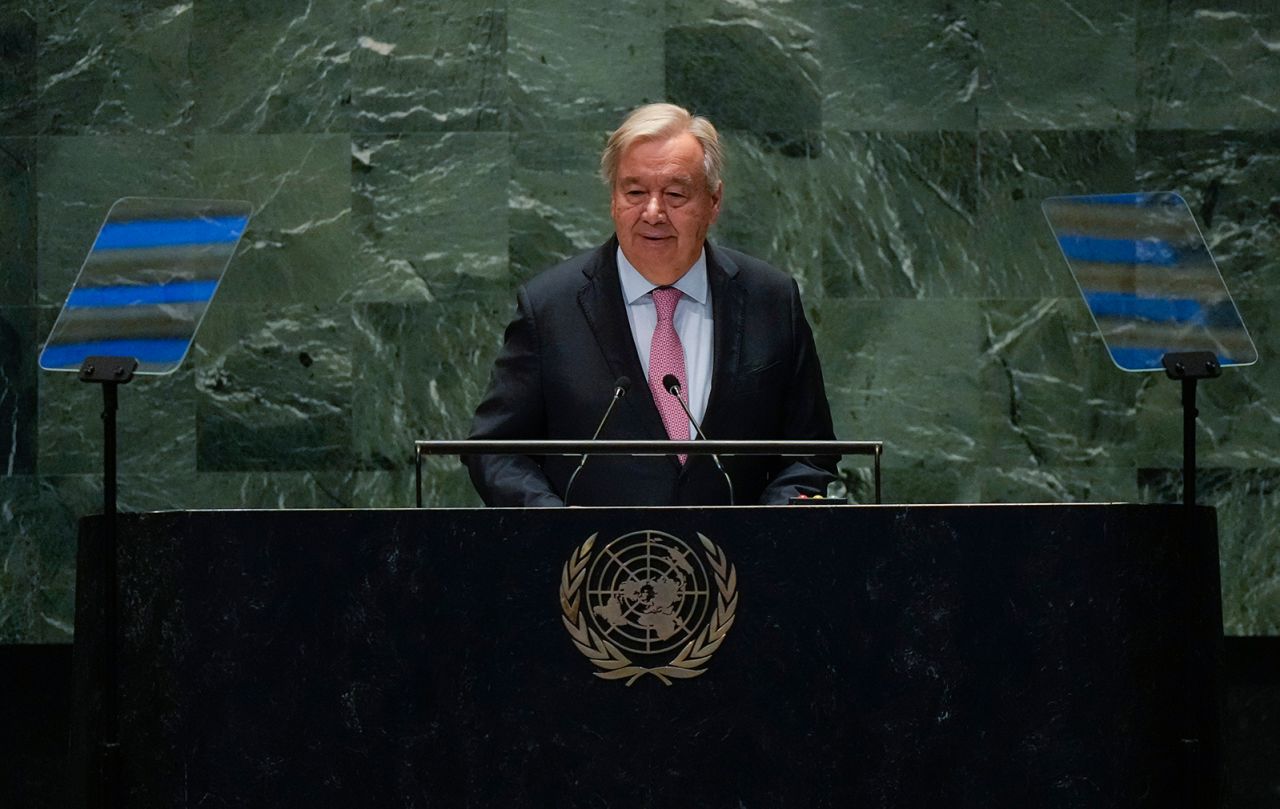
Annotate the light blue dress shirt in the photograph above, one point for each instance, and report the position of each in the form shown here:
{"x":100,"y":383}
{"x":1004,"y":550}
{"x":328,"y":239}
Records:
{"x":693,"y":324}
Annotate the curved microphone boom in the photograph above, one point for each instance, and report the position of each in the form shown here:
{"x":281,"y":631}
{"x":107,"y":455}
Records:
{"x":672,"y":384}
{"x":620,"y":388}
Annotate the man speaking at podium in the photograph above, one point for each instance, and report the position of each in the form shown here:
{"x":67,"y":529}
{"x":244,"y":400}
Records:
{"x":656,"y":307}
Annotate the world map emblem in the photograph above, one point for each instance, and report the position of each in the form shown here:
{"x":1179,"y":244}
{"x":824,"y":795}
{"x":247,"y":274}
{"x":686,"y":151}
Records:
{"x":648,"y":602}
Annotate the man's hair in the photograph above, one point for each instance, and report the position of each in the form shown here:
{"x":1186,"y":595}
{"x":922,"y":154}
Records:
{"x":658,"y":122}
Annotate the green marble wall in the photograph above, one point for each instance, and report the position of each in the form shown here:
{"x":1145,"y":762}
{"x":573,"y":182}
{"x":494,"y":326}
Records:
{"x":410,"y":163}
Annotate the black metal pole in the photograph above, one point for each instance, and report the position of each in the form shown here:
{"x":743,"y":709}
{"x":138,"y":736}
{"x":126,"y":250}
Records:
{"x":110,"y":405}
{"x":1188,"y":367}
{"x":110,"y":753}
{"x":1189,"y":414}
{"x":110,"y":373}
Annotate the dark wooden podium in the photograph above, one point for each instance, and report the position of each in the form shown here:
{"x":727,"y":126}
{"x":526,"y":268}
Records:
{"x":883,"y":656}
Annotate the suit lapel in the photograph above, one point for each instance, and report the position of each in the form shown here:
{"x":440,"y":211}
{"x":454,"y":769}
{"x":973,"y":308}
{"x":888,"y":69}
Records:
{"x":728,"y":307}
{"x":606,"y":314}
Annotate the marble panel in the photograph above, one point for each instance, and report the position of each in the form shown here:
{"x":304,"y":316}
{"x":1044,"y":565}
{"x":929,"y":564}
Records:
{"x":912,"y":64}
{"x":298,"y":245}
{"x":558,"y":205}
{"x":38,"y":531}
{"x":899,"y":214}
{"x":273,"y":388}
{"x":18,"y":47}
{"x":1231,"y":181}
{"x":1239,"y":411}
{"x":902,"y":372}
{"x":1019,"y":170}
{"x":423,"y":369}
{"x":1056,"y":65}
{"x":112,"y":67}
{"x":430,"y":214}
{"x":1248,"y":504}
{"x":234,"y":490}
{"x":751,"y":68}
{"x":1208,"y":65}
{"x":769,"y":206}
{"x":925,"y":480}
{"x":283,"y":66}
{"x":78,"y":180}
{"x":18,"y":213}
{"x":574,"y":65}
{"x":794,"y":24}
{"x":18,"y":399}
{"x":428,"y":67}
{"x":447,"y":486}
{"x":1060,"y":483}
{"x":1053,"y":402}
{"x":1159,"y":441}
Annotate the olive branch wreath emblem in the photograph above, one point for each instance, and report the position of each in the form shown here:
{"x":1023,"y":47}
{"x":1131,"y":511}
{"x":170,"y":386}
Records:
{"x":692,"y":658}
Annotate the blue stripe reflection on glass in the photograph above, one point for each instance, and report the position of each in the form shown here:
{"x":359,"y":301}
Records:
{"x":169,"y":232}
{"x":1118,"y":251}
{"x":1139,"y":200}
{"x":176,"y":292}
{"x":1132,"y":307}
{"x":167,"y":350}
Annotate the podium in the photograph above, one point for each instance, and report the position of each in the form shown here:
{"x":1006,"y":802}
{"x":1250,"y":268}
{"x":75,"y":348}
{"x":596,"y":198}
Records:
{"x":904,"y":656}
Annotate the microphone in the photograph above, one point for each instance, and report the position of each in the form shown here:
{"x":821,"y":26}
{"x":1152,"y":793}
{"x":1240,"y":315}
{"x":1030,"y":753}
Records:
{"x":672,"y":384}
{"x":620,"y":388}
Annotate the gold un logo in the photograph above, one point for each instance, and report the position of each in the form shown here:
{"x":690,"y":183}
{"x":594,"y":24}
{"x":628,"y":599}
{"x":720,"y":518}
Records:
{"x":646,"y":604}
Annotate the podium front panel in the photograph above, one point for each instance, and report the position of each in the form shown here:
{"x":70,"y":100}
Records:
{"x":1040,"y":655}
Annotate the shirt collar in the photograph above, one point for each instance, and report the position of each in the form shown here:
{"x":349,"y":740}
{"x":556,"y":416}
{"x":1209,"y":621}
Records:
{"x":635,"y":286}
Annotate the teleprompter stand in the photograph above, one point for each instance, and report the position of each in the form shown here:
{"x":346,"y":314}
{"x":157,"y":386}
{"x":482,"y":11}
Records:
{"x":110,"y":373}
{"x":1190,"y":367}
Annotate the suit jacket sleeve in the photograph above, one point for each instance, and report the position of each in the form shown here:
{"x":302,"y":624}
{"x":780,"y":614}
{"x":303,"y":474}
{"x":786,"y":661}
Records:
{"x":513,"y":408}
{"x":807,"y":416}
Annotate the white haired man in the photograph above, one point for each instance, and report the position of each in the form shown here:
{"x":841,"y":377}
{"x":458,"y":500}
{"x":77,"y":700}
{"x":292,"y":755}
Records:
{"x":657,"y":299}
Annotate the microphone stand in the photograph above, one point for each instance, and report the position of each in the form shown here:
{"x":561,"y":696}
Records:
{"x":620,"y":389}
{"x":672,"y":384}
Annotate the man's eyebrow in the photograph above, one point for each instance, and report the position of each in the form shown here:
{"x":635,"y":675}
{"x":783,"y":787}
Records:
{"x":682,"y":179}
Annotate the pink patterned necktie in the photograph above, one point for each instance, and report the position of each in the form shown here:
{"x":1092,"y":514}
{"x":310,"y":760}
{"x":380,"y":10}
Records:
{"x":666,"y":356}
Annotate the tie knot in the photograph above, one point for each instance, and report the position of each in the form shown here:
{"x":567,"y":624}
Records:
{"x":665,"y":299}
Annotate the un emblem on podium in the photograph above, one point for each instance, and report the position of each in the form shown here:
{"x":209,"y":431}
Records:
{"x":648,"y":603}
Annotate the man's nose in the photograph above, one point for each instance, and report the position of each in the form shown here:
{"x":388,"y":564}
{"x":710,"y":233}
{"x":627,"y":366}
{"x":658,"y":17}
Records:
{"x":654,"y":210}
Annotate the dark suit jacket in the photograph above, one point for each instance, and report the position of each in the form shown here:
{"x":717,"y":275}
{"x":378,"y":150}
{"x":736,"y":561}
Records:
{"x":569,"y":343}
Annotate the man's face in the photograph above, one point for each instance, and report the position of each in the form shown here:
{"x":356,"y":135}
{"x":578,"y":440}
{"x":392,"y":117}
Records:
{"x":661,"y":206}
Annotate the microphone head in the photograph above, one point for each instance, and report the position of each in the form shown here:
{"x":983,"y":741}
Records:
{"x":671,"y":384}
{"x":621,"y":386}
